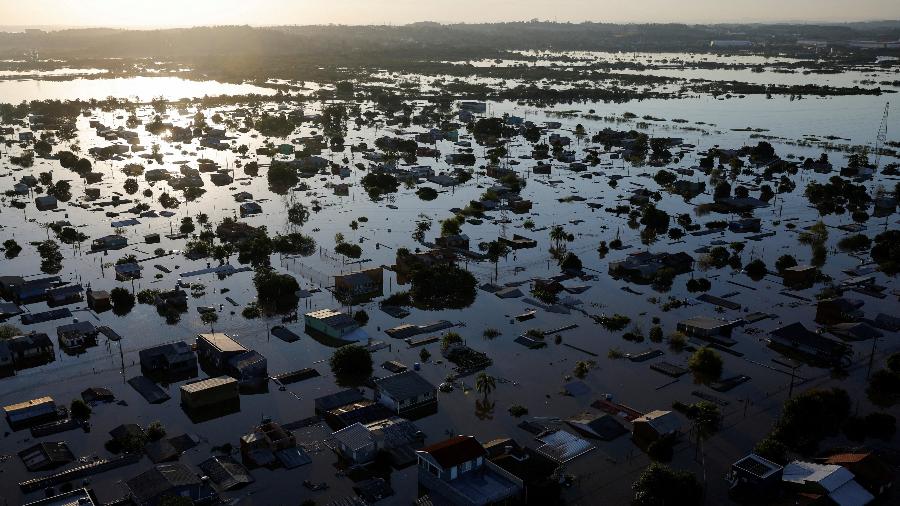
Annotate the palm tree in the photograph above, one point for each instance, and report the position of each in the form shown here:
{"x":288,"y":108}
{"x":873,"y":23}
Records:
{"x":495,"y":250}
{"x":558,"y":235}
{"x":485,"y":384}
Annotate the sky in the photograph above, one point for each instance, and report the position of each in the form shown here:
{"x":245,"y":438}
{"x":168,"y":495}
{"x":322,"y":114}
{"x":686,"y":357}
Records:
{"x":167,"y":13}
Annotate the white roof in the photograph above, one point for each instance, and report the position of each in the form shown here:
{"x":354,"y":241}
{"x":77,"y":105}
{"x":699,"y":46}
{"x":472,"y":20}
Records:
{"x":828,"y":476}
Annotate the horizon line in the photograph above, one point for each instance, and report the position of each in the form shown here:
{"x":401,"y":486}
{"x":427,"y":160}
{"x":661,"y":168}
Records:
{"x":138,"y":27}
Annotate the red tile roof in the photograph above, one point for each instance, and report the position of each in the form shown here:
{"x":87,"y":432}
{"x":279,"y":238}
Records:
{"x":455,"y":451}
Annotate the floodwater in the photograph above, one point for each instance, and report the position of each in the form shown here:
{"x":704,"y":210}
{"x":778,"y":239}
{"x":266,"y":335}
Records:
{"x":533,"y":378}
{"x":136,"y":88}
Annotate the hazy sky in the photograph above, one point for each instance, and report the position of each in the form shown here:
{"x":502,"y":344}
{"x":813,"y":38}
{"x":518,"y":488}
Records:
{"x":146,"y":13}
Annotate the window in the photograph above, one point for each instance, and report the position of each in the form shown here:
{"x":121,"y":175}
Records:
{"x":466,"y":466}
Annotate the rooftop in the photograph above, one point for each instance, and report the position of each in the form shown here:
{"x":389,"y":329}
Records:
{"x":405,"y":385}
{"x":208,"y":383}
{"x":222,"y":342}
{"x":455,"y":451}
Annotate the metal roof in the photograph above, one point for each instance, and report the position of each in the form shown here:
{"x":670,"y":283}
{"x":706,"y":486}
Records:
{"x":563,"y":446}
{"x":207,"y":384}
{"x":355,"y":437}
{"x":405,"y":385}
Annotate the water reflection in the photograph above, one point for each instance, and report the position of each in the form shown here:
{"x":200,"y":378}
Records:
{"x":139,"y":88}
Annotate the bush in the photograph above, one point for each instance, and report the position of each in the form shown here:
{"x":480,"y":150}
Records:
{"x":275,"y":292}
{"x":811,"y":416}
{"x":785,"y":262}
{"x":156,"y":431}
{"x":79,"y":410}
{"x":351,"y":365}
{"x":881,"y":425}
{"x":884,"y":388}
{"x":662,"y":449}
{"x":661,"y":485}
{"x":122,"y":300}
{"x":772,"y":449}
{"x":518,"y":410}
{"x":361,"y":317}
{"x":348,"y":250}
{"x":886,"y":252}
{"x":756,"y":269}
{"x":706,"y":364}
{"x":442,"y":287}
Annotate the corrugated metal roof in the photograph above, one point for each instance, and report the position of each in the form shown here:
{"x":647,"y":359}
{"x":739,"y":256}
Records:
{"x":355,"y":437}
{"x":207,"y":384}
{"x":563,"y":446}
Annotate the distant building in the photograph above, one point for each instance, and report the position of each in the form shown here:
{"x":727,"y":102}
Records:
{"x":730,"y":44}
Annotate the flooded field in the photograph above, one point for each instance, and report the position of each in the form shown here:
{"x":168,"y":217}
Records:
{"x":592,"y":180}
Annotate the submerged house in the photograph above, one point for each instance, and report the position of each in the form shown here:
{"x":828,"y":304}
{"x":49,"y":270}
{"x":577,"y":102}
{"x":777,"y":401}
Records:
{"x":360,"y":284}
{"x":168,"y":480}
{"x":407,"y":394}
{"x":30,"y":348}
{"x":655,"y":425}
{"x":333,"y":324}
{"x":77,"y":335}
{"x":798,"y":339}
{"x":170,"y":358}
{"x":642,"y":267}
{"x":260,"y":446}
{"x":218,"y":348}
{"x":109,"y":242}
{"x":249,"y":368}
{"x":457,"y":471}
{"x":838,"y":310}
{"x":209,"y":393}
{"x":172,"y":299}
{"x":711,"y":329}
